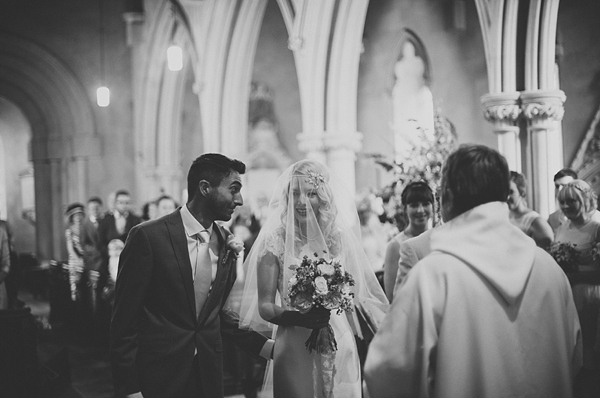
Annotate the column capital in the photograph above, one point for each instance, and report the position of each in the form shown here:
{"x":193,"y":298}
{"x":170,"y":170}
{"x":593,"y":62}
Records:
{"x":543,"y":105}
{"x":501,"y":108}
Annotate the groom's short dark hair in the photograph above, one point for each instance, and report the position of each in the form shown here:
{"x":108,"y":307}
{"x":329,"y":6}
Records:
{"x":212,"y":167}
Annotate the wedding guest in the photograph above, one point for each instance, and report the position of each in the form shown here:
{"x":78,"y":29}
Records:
{"x":309,"y":215}
{"x":75,"y":215}
{"x":561,"y":178}
{"x":165,"y":204}
{"x":417,"y":200}
{"x":487,"y":313}
{"x":13,"y":279}
{"x":92,"y":258}
{"x":175,"y":274}
{"x":527,"y":220}
{"x":149,"y":211}
{"x":578,"y":202}
{"x":117,"y":224}
{"x":94,"y":210}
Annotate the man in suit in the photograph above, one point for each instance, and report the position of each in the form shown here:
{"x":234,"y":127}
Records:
{"x":175,"y":274}
{"x":117,"y":224}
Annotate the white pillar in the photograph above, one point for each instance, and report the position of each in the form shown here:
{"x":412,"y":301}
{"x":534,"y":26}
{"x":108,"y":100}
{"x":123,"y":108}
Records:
{"x":502,"y":111}
{"x":312,"y":144}
{"x":341,"y":156}
{"x":543,"y":109}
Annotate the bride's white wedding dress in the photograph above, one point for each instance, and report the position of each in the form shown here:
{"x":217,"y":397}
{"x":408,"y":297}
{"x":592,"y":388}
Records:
{"x":300,"y":374}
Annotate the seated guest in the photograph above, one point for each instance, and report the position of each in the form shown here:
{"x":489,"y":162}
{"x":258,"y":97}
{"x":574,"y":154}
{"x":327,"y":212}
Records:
{"x":578,"y":202}
{"x":487,"y":313}
{"x":523,"y":217}
{"x":417,"y":200}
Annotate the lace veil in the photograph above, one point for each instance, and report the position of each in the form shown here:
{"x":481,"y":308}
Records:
{"x":310,"y":213}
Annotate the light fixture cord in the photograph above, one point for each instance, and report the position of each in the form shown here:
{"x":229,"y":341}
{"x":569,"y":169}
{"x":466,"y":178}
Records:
{"x":101,"y":39}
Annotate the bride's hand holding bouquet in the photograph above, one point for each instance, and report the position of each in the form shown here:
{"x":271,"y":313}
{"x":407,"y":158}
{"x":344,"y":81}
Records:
{"x":317,"y":287}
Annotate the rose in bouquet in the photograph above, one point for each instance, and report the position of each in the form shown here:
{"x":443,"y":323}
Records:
{"x":566,"y":255}
{"x":318,"y":282}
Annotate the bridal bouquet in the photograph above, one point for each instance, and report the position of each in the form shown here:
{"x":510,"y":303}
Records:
{"x":565,"y":254}
{"x":321,"y":283}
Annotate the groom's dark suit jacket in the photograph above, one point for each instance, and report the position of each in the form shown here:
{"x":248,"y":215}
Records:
{"x":154,"y":330}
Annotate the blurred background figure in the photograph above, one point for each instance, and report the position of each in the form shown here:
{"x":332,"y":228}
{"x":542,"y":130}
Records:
{"x":149,"y":211}
{"x":245,"y":226}
{"x":13,"y":279}
{"x":417,"y":201}
{"x":561,"y":178}
{"x":372,"y":231}
{"x":528,"y":221}
{"x":92,"y":259}
{"x":75,"y":215}
{"x":165,"y":205}
{"x":578,"y":203}
{"x":115,"y":247}
{"x":4,"y":267}
{"x":113,"y":226}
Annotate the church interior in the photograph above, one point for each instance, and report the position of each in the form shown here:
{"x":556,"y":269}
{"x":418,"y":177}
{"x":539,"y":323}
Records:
{"x":103,"y":95}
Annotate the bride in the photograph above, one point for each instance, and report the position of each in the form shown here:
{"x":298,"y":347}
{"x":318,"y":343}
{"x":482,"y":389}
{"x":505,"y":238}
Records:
{"x":309,"y":214}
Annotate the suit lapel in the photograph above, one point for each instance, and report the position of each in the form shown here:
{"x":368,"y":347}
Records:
{"x":180,"y":248}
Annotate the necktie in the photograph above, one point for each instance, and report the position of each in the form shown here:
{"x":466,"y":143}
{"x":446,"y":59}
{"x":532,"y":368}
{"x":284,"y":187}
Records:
{"x":202,"y":270}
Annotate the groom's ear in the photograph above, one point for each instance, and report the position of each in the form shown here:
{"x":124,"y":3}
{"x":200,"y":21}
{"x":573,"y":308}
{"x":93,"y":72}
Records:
{"x":203,"y":187}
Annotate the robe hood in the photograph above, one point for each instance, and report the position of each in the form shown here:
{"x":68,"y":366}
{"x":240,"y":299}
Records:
{"x":485,"y":240}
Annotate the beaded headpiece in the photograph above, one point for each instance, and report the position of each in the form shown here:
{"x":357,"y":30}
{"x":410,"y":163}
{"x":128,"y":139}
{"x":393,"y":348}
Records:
{"x":316,"y":179}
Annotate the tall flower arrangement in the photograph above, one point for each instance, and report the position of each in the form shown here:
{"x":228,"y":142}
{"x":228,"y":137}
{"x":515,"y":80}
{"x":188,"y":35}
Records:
{"x":427,"y":152}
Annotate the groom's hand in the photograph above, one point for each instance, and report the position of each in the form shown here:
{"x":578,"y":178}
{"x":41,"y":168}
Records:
{"x":316,"y":318}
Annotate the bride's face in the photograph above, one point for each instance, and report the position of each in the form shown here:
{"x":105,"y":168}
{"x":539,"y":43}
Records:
{"x":304,"y":195}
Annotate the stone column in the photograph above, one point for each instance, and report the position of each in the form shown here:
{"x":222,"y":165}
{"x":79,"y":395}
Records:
{"x":78,"y":179}
{"x":312,"y":144}
{"x":502,"y":111}
{"x":543,"y":110}
{"x":168,"y":177}
{"x":341,"y":151}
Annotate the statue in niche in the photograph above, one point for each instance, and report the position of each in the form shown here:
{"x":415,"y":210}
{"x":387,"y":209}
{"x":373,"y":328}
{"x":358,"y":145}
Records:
{"x":267,"y":158}
{"x":413,"y":112}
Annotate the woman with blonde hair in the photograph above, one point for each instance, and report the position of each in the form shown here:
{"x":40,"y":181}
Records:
{"x":309,"y":215}
{"x":578,"y":203}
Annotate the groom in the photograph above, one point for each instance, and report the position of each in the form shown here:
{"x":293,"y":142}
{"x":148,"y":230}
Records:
{"x":175,"y":274}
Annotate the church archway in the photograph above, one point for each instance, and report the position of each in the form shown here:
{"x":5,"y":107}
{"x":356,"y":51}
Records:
{"x":59,"y":112}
